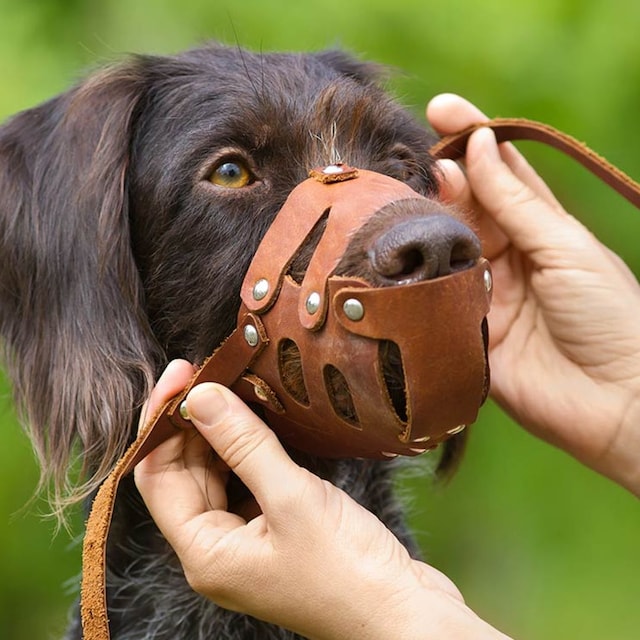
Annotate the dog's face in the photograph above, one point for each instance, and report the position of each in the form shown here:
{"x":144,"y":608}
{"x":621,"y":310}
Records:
{"x":132,"y":205}
{"x":214,"y":159}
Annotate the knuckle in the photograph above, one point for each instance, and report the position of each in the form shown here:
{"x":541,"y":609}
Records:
{"x":241,"y":442}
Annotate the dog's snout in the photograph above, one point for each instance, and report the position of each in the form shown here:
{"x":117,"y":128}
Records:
{"x":424,"y":248}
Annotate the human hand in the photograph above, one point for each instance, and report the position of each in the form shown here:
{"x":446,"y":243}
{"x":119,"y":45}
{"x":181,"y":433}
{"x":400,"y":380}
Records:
{"x":310,"y":559}
{"x":565,"y":318}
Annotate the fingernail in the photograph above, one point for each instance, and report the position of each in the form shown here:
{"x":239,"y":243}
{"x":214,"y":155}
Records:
{"x":206,"y":403}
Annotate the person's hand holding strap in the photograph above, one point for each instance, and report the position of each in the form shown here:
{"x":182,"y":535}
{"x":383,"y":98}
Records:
{"x":565,"y":318}
{"x":311,"y":559}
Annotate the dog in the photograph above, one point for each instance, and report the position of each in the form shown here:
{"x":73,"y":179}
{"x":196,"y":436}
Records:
{"x":131,"y":206}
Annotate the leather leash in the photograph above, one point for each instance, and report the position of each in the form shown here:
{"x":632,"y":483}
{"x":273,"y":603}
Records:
{"x":237,"y":356}
{"x":506,"y":129}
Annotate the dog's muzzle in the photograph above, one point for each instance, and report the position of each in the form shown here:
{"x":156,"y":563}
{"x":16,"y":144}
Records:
{"x":341,"y":329}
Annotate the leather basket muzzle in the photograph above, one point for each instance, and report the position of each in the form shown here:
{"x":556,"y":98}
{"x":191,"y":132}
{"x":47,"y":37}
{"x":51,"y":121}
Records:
{"x":340,"y":328}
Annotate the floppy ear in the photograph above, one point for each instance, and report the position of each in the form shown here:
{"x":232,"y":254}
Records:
{"x":75,"y":335}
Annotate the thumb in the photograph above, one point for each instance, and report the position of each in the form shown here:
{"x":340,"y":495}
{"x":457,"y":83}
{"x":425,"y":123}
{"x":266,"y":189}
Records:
{"x":243,"y":441}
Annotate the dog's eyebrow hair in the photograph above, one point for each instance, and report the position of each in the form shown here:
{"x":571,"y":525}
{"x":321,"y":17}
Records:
{"x":331,"y":153}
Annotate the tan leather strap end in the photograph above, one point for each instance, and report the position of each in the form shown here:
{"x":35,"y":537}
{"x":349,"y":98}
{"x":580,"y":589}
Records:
{"x":225,"y":366}
{"x":454,"y":147}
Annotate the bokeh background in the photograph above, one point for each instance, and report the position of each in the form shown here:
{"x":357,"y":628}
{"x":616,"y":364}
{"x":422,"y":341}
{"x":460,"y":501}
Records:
{"x":539,"y":546}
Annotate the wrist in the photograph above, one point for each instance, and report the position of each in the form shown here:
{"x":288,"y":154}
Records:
{"x":423,"y":604}
{"x":622,"y":460}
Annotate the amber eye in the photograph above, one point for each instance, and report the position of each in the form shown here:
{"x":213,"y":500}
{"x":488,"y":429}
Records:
{"x":232,"y":174}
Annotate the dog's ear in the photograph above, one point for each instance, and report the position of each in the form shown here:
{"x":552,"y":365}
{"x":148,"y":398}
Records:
{"x":75,"y":336}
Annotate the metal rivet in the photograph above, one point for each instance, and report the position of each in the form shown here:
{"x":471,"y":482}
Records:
{"x":419,"y":451}
{"x":488,"y":280}
{"x":423,"y":439}
{"x":353,"y":309}
{"x":260,"y":289}
{"x":184,"y":414}
{"x":261,"y":394}
{"x":389,"y":454}
{"x":458,"y":429}
{"x":313,"y":302}
{"x":251,"y":335}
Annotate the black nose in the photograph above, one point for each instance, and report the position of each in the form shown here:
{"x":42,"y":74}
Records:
{"x":424,"y":248}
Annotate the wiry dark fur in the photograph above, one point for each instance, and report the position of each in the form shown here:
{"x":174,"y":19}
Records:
{"x":117,"y":254}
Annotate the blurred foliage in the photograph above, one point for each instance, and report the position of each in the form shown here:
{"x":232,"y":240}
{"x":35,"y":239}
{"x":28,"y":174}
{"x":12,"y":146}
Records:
{"x":541,"y":547}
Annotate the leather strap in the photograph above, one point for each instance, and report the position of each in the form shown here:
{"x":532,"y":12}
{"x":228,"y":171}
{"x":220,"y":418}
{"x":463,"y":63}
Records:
{"x":225,"y":366}
{"x":454,"y":147}
{"x":235,"y":355}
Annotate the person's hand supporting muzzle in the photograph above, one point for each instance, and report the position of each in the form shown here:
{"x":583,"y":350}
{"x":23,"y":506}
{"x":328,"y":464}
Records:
{"x":565,"y":317}
{"x":309,"y":558}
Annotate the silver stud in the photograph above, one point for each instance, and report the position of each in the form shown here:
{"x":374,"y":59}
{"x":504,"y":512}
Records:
{"x":389,"y":454}
{"x":260,"y":289}
{"x":488,"y":280}
{"x":353,"y":309}
{"x":418,"y":450}
{"x":261,"y":394}
{"x":251,"y":335}
{"x":313,"y":302}
{"x":423,"y":439}
{"x":458,"y":429}
{"x":184,"y":414}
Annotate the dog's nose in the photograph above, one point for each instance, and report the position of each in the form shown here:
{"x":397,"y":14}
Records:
{"x":424,"y":248}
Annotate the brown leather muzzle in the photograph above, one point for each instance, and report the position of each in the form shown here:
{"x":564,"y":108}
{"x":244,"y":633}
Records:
{"x":337,"y":327}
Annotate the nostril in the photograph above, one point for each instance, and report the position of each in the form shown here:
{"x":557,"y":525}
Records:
{"x":424,"y":248}
{"x":394,"y":260}
{"x":410,"y":261}
{"x":465,"y":253}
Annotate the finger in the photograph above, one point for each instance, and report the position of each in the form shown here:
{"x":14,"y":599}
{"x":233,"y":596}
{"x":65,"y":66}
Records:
{"x":526,"y":173}
{"x":179,"y":472}
{"x":449,"y":113}
{"x":175,"y":493}
{"x":531,"y":222}
{"x":173,"y":379}
{"x":455,"y":189}
{"x":244,"y":442}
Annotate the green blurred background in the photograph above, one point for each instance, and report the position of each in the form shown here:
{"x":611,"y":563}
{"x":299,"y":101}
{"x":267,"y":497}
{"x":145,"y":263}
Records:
{"x":540,"y":547}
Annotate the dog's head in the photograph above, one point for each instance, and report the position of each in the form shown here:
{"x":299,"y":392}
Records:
{"x":132,"y":205}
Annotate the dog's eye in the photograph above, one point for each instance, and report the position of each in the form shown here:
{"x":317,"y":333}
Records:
{"x":233,"y":174}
